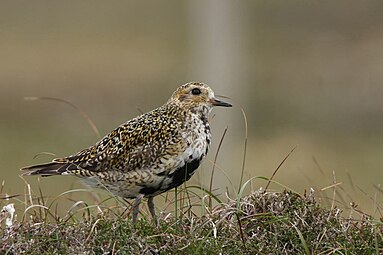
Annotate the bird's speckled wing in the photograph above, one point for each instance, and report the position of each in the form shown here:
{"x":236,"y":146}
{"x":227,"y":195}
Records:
{"x":136,"y":144}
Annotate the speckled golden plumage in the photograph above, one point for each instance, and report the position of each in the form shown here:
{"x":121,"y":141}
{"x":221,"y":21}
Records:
{"x":149,"y":154}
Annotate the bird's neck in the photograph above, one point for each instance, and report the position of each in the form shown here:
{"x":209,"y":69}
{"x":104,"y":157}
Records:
{"x":201,"y":110}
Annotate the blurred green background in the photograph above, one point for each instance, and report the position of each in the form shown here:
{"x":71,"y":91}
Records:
{"x":307,"y":73}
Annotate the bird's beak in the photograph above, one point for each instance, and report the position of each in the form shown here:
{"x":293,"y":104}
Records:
{"x":216,"y":102}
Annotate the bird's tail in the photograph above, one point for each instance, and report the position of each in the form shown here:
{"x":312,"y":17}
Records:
{"x":47,"y":169}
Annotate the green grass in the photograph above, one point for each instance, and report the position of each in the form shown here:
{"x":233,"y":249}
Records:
{"x":263,"y":223}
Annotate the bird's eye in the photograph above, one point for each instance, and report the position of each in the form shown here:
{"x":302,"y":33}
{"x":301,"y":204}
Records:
{"x":196,"y":91}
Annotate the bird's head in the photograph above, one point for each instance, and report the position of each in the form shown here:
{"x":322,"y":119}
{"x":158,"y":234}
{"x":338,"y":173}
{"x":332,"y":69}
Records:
{"x":196,"y":96}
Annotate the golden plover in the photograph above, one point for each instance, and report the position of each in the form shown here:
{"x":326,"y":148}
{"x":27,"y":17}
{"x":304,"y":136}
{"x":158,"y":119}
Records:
{"x":147,"y":155}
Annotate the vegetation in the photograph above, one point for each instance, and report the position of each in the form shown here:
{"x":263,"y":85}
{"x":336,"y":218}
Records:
{"x":262,"y":223}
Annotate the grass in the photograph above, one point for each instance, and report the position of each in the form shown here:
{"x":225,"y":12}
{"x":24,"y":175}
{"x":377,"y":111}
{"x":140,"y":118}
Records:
{"x":262,"y":223}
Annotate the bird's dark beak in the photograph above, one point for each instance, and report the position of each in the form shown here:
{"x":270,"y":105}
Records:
{"x":216,"y":102}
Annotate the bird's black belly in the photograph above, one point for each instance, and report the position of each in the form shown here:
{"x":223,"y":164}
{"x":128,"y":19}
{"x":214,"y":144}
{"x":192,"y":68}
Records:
{"x":184,"y":173}
{"x":178,"y":177}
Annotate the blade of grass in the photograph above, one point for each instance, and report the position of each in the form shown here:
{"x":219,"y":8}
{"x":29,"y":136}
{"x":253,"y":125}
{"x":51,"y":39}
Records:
{"x":242,"y":188}
{"x":214,"y":163}
{"x":303,"y":241}
{"x":245,"y":143}
{"x":241,"y":230}
{"x":31,"y":207}
{"x":78,"y":109}
{"x":92,"y":230}
{"x":223,"y":171}
{"x":244,"y":148}
{"x":206,"y":191}
{"x":279,"y":166}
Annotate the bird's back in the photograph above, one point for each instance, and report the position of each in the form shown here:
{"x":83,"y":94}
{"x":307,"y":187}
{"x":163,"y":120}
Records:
{"x":148,"y":155}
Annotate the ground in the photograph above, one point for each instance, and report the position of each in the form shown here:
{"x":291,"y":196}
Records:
{"x":261,"y":223}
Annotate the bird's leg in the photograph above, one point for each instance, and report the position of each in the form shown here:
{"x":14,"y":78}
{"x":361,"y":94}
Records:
{"x":152,"y":210}
{"x":136,"y":206}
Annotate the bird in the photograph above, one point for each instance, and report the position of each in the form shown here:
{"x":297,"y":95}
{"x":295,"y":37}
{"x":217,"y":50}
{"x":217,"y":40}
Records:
{"x":149,"y":154}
